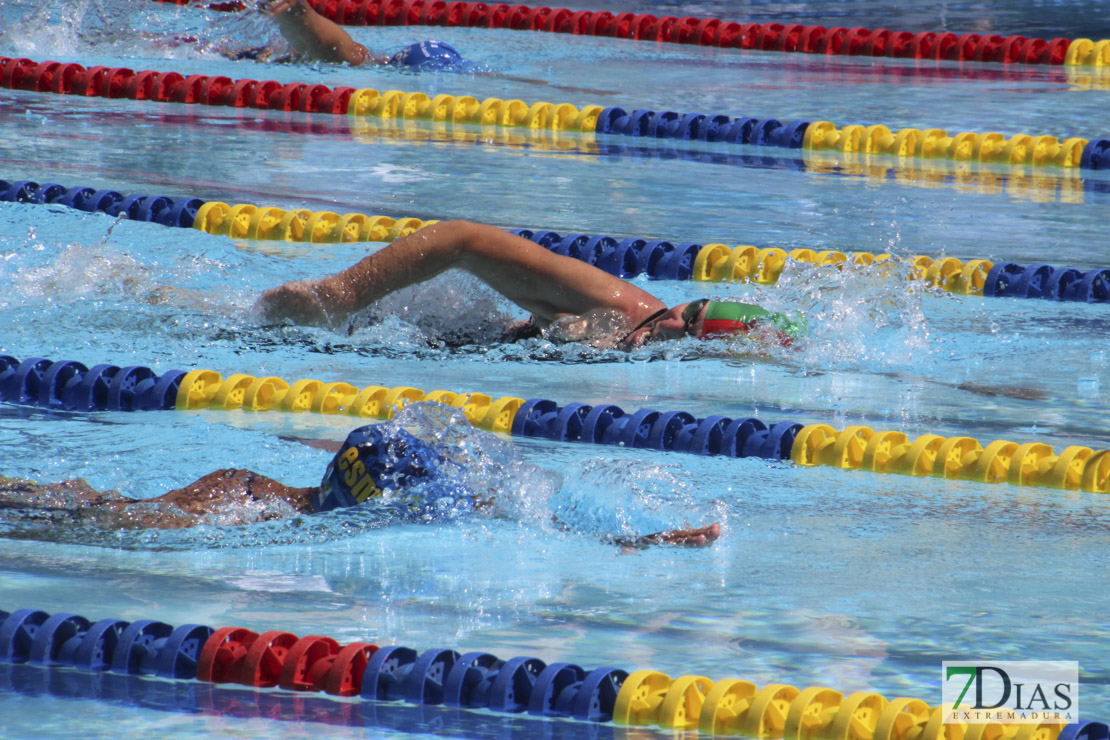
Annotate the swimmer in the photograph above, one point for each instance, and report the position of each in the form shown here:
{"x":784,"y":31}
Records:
{"x":396,"y":469}
{"x":316,"y":38}
{"x":555,"y":289}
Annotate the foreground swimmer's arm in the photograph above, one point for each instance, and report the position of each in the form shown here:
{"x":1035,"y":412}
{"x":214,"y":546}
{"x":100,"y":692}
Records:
{"x":553,"y":85}
{"x":235,"y":496}
{"x":229,"y":496}
{"x":694,"y":537}
{"x":315,"y":37}
{"x":545,"y":284}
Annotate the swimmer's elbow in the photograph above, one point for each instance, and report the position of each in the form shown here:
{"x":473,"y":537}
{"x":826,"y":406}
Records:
{"x":456,"y":231}
{"x":358,"y":55}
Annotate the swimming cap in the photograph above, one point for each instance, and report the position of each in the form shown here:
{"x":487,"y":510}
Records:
{"x":723,"y":318}
{"x":427,"y":55}
{"x":370,"y":461}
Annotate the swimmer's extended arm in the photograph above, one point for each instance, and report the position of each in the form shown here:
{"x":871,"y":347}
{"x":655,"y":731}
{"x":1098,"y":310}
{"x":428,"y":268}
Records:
{"x":693,"y":537}
{"x":688,"y":537}
{"x":221,"y":492}
{"x":547,"y":285}
{"x":314,"y":36}
{"x":221,"y":489}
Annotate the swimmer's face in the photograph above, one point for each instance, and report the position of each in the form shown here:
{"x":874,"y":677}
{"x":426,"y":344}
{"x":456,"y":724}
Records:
{"x":672,"y":324}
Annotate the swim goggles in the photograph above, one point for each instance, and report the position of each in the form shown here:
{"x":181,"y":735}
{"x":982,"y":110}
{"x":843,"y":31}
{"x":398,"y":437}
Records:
{"x":690,"y":315}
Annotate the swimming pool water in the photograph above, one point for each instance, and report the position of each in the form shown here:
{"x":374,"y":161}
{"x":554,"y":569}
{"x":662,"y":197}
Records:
{"x":822,"y":577}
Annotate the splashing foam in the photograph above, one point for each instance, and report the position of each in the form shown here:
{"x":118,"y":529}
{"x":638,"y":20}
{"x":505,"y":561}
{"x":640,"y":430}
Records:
{"x":454,"y":309}
{"x":597,"y":496}
{"x":490,"y":467}
{"x":80,"y":271}
{"x":110,"y":27}
{"x":91,"y":26}
{"x":626,"y":498}
{"x":861,"y":317}
{"x":228,"y":35}
{"x":47,"y":27}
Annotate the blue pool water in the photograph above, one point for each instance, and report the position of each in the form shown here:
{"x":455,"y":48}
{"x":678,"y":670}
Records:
{"x":821,"y":577}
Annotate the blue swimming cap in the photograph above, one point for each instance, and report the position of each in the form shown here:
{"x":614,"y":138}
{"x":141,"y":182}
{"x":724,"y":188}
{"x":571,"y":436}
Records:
{"x":379,"y":458}
{"x":427,"y":55}
{"x":370,"y":461}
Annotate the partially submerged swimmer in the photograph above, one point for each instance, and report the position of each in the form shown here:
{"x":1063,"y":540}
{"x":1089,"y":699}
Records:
{"x":396,"y":469}
{"x":552,"y":288}
{"x":314,"y":37}
{"x":317,"y":38}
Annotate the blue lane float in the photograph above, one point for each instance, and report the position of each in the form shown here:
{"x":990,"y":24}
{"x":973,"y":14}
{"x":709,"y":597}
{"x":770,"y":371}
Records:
{"x":677,"y":431}
{"x":1010,"y":280}
{"x":145,"y":647}
{"x":73,"y":386}
{"x":627,"y":258}
{"x":157,"y":209}
{"x":702,"y":127}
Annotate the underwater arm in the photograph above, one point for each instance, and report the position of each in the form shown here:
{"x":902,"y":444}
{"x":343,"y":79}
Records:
{"x":697,"y":537}
{"x":314,"y":36}
{"x":544,"y":83}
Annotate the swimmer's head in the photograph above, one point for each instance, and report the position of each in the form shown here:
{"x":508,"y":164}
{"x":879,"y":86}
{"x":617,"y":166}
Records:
{"x":426,"y":55}
{"x":372,"y":459}
{"x":706,"y":319}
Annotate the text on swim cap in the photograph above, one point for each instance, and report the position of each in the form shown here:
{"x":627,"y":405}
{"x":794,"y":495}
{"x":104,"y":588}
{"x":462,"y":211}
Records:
{"x":355,"y":475}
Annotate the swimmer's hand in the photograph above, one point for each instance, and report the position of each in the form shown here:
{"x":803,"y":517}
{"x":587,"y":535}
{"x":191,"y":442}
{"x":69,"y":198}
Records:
{"x":297,"y":301}
{"x":695,"y":537}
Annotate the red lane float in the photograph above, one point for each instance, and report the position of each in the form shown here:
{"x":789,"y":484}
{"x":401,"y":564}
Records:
{"x":806,"y":39}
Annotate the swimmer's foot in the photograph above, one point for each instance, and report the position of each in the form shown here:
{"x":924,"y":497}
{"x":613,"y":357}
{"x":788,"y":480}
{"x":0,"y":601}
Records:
{"x":695,"y":537}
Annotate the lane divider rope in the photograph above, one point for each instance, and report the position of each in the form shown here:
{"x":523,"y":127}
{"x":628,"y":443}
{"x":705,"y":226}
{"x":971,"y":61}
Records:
{"x":909,"y":143}
{"x":479,"y":680}
{"x":794,"y":37}
{"x":625,"y":258}
{"x":72,"y":385}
